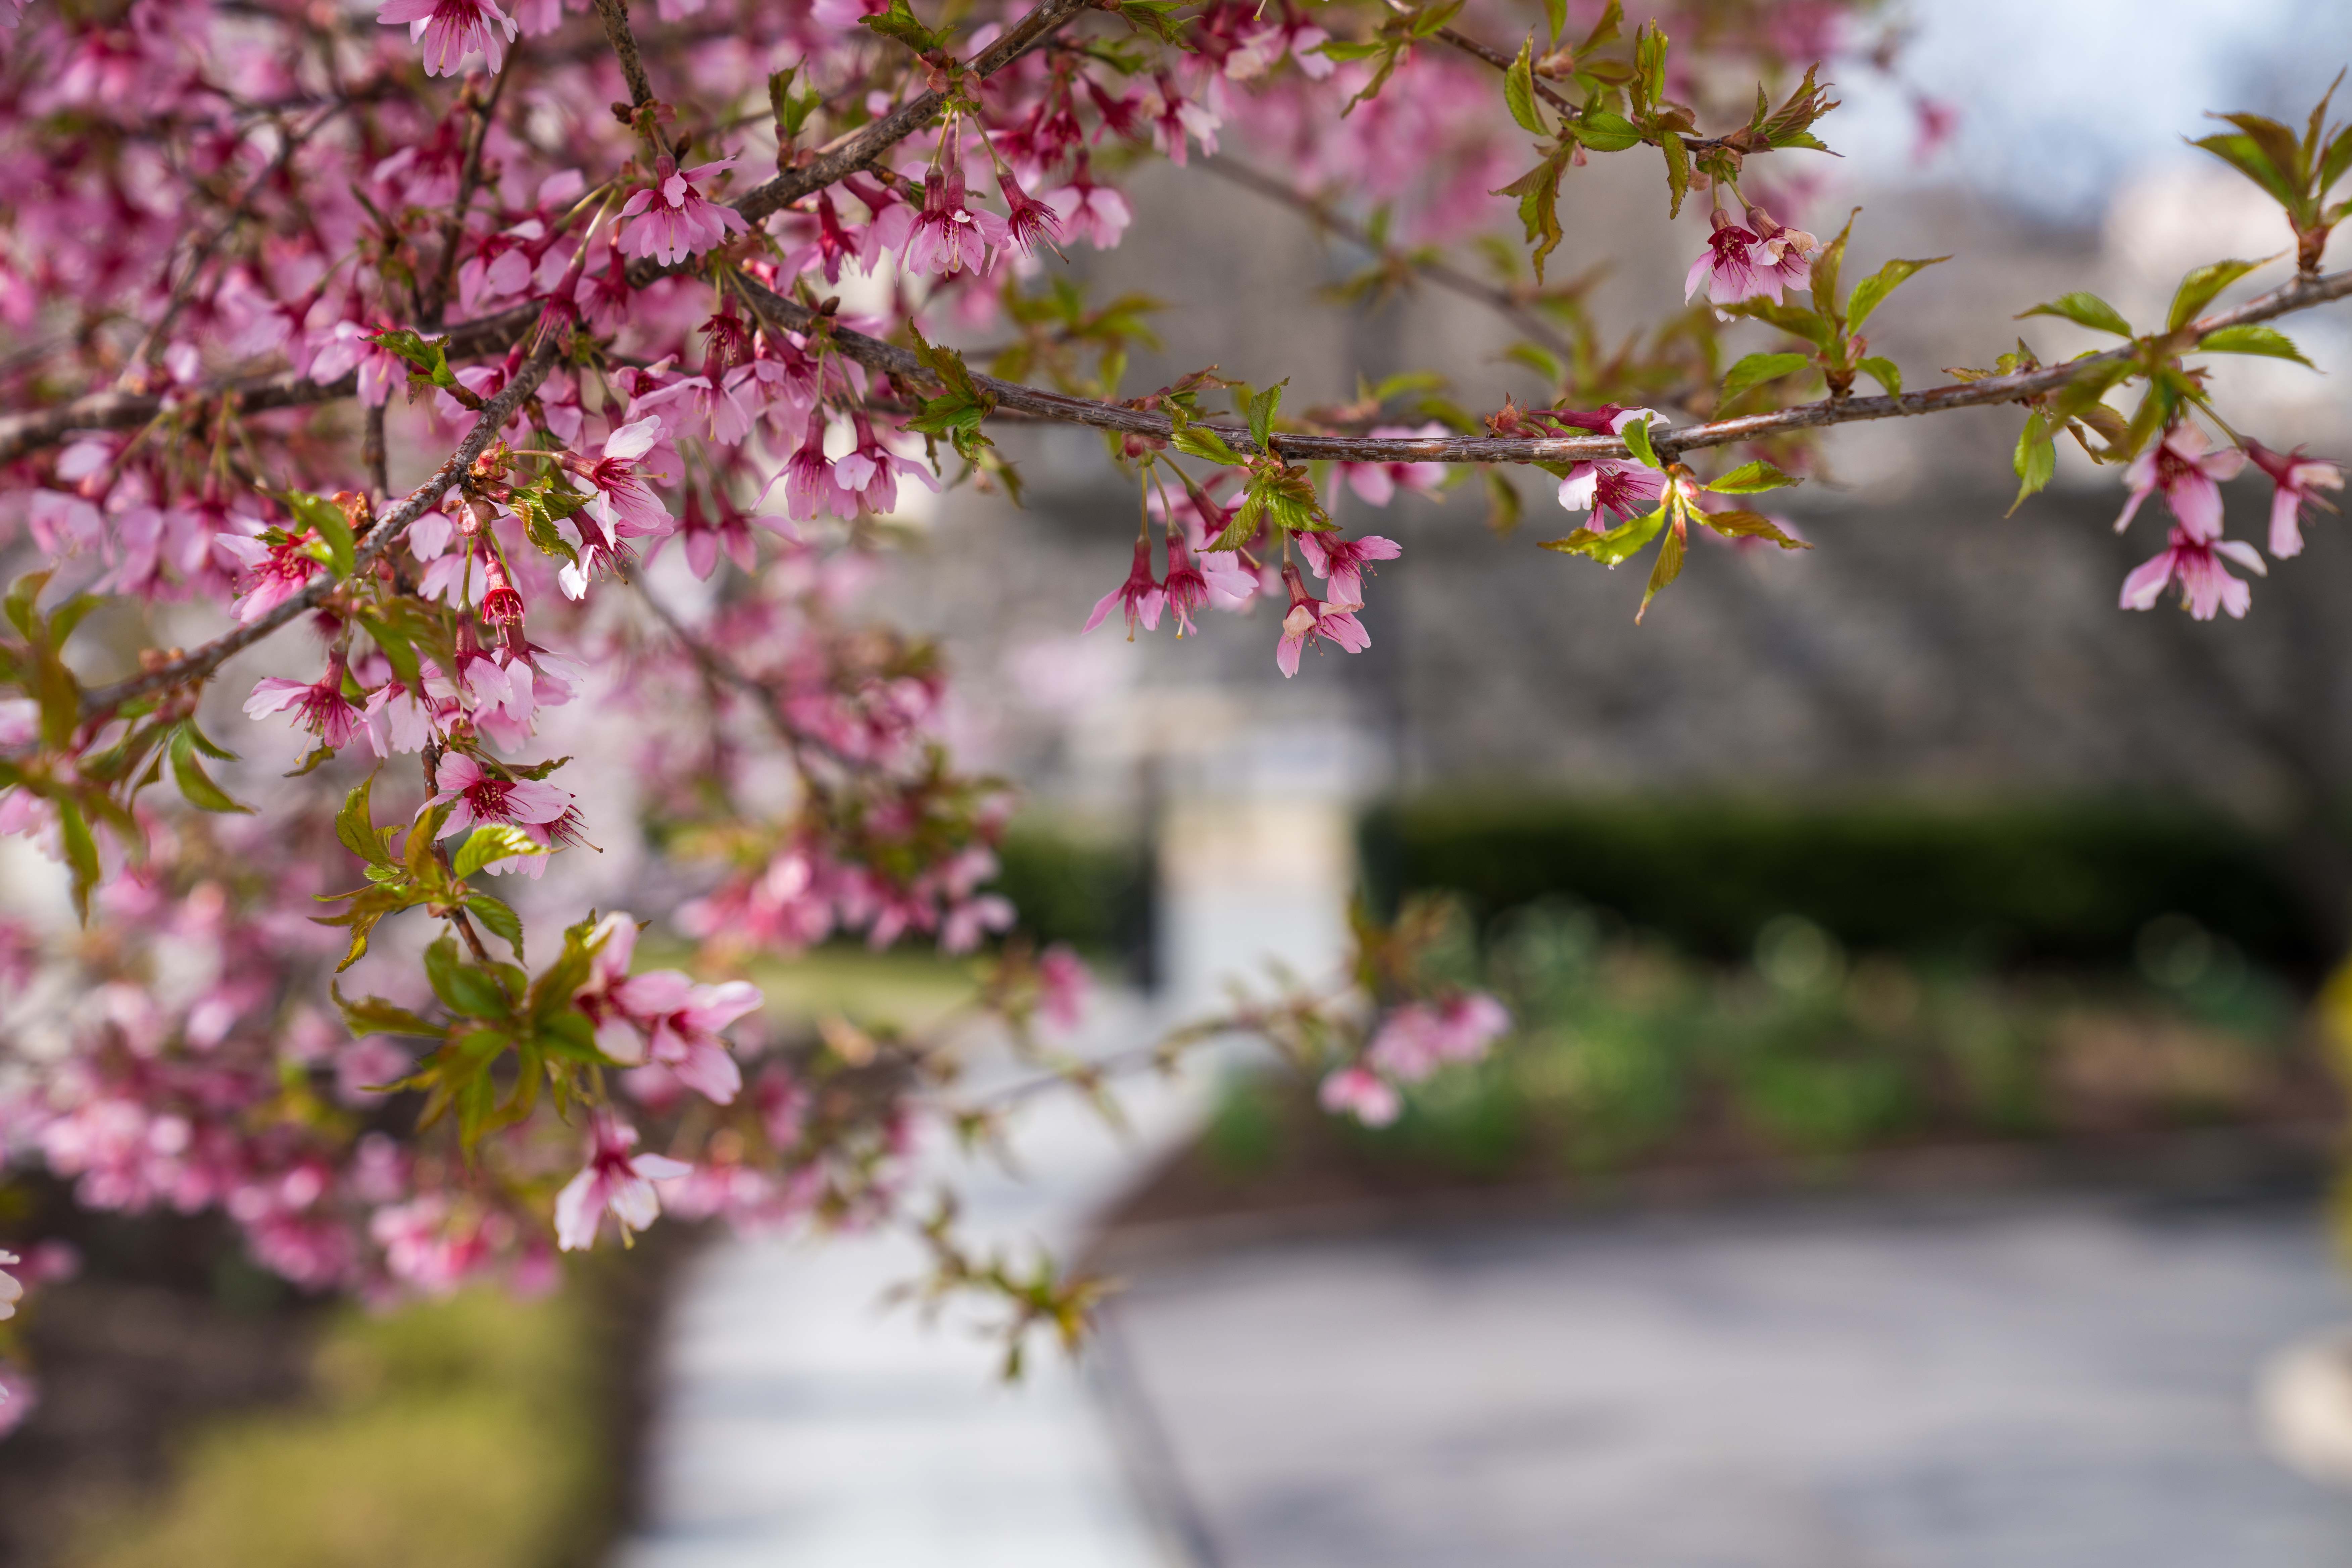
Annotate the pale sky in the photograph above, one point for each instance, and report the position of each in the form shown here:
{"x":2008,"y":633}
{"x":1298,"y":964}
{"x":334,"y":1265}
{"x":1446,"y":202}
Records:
{"x":2061,"y":98}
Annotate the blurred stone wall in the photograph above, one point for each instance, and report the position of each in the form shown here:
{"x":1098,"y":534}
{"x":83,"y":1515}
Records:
{"x":1927,"y":643}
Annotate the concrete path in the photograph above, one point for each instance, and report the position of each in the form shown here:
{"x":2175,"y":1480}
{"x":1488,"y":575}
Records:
{"x":804,"y":1422}
{"x":2065,"y":1385}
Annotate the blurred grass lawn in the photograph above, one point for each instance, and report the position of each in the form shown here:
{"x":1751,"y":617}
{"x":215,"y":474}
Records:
{"x":468,"y":1434}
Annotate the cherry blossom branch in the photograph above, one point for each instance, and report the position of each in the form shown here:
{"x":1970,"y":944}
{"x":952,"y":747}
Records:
{"x":845,"y":156}
{"x":615,"y":15}
{"x":1320,"y":213}
{"x":469,"y":180}
{"x":380,"y":536}
{"x":904,"y":365}
{"x":21,"y":433}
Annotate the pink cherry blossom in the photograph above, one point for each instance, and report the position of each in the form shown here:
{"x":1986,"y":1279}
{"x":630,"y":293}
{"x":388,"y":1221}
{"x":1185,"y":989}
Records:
{"x":2195,"y":561}
{"x":1343,"y":561}
{"x":2188,"y":471}
{"x":671,"y":220}
{"x":1360,"y":1092}
{"x":1378,"y":482}
{"x":1028,"y":222}
{"x":1727,"y":267}
{"x":616,"y":1180}
{"x":949,"y":235}
{"x":1186,"y":589}
{"x":318,"y":706}
{"x":1612,"y":487}
{"x":348,"y":346}
{"x":1141,"y":595}
{"x":479,"y":795}
{"x":2297,"y":481}
{"x":11,"y":1290}
{"x":1415,"y":1039}
{"x":1312,"y":619}
{"x":278,"y":566}
{"x":1064,"y":984}
{"x":452,"y":29}
{"x":1785,"y":253}
{"x":811,"y":487}
{"x":872,"y":469}
{"x":1096,"y":213}
{"x":683,"y":1020}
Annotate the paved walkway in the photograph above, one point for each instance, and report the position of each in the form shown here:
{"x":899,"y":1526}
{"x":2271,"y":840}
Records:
{"x":2064,"y":1384}
{"x":803,"y":1422}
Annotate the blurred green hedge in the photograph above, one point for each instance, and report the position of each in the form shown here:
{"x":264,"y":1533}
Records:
{"x":1091,"y":892}
{"x":2064,"y":882}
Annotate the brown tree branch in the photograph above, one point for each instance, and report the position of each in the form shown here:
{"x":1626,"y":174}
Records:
{"x":903,"y":365}
{"x":386,"y":529}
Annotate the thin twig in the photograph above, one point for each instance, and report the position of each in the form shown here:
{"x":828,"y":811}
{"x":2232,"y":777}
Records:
{"x":453,"y":226}
{"x":1503,"y":62}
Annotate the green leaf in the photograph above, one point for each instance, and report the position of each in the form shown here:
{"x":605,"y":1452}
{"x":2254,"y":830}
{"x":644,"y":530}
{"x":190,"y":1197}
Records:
{"x":1555,"y":19}
{"x":498,"y":918}
{"x":196,"y":785}
{"x":1618,"y":544}
{"x":374,"y":1015}
{"x":2088,"y":310}
{"x":1284,"y":493}
{"x":462,"y":987}
{"x":2335,"y":160}
{"x":355,"y":825}
{"x":1604,"y":132}
{"x":2198,"y":287}
{"x":1606,"y":30}
{"x":328,"y":520}
{"x":1155,"y":16}
{"x":1650,"y":64}
{"x":1872,"y":290}
{"x":2086,"y":388}
{"x":1520,"y":89}
{"x":429,"y":363}
{"x":398,"y":651}
{"x":1824,"y":274}
{"x":2252,"y":339}
{"x":899,"y":22}
{"x":1815,"y":328}
{"x":1262,"y":411}
{"x":2035,"y":461}
{"x":2241,"y":154}
{"x":81,"y":853}
{"x":1669,"y":566}
{"x":1755,"y":369}
{"x":492,"y":842}
{"x":1882,"y":371}
{"x":1749,"y":479}
{"x":1503,"y":505}
{"x":1199,"y":440}
{"x":1749,"y":525}
{"x":1678,"y":170}
{"x":1636,"y":438}
{"x":958,"y":412}
{"x":2279,"y":146}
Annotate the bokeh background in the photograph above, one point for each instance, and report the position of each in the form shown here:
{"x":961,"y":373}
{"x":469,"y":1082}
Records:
{"x":1915,"y":1145}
